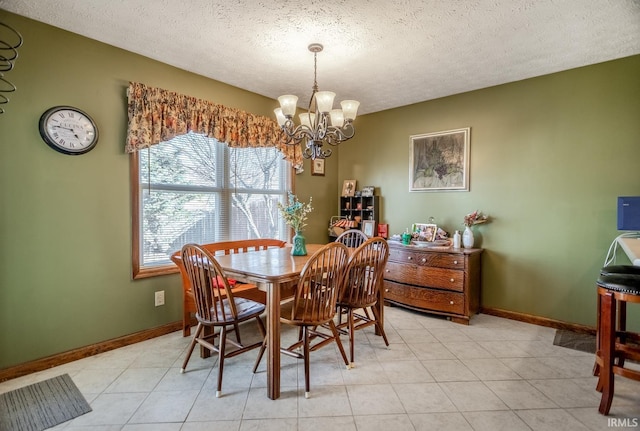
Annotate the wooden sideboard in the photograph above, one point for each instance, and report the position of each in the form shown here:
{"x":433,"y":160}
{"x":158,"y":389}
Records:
{"x":439,"y":280}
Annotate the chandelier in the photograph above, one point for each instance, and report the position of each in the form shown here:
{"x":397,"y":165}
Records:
{"x":321,"y":123}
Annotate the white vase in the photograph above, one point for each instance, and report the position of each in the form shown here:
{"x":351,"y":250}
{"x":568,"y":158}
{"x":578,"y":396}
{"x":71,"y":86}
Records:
{"x":467,"y":237}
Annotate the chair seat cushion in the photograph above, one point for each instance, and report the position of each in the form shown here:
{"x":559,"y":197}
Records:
{"x":246,"y":309}
{"x":231,"y":281}
{"x":620,"y":269}
{"x":623,"y":283}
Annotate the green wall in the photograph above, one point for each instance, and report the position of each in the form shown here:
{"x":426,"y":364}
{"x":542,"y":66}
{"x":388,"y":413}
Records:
{"x":65,"y":221}
{"x":549,"y":156}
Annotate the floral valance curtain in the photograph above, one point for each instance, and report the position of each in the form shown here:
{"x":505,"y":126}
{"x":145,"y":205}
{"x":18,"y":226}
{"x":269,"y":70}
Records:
{"x":157,"y":115}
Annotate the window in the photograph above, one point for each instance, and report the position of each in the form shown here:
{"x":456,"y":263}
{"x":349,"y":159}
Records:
{"x":196,"y":189}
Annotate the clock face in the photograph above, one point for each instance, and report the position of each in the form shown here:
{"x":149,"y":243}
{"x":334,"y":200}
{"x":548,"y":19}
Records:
{"x":68,"y":130}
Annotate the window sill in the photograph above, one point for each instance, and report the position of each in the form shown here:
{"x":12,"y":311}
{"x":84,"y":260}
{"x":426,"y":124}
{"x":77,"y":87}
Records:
{"x":154,"y":271}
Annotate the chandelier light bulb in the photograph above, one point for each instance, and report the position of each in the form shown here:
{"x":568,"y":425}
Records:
{"x":324,"y":99}
{"x":350,"y":109}
{"x":288,"y":103}
{"x":337,"y":117}
{"x":307,"y":119}
{"x":280,"y":117}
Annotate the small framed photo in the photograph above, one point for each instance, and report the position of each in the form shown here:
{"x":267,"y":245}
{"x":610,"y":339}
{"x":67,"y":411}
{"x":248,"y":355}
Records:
{"x":368,"y":190}
{"x":439,"y":161}
{"x":369,"y":227}
{"x":317,"y":167}
{"x":349,"y":188}
{"x":383,"y":230}
{"x":425,"y":231}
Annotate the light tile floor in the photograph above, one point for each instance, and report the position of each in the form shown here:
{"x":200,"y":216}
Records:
{"x":495,"y":374}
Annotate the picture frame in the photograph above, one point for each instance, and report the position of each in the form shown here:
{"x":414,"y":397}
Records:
{"x":368,"y":190}
{"x":424,"y":231}
{"x":317,"y":167}
{"x":369,"y":227}
{"x":383,"y":230}
{"x":439,"y":161}
{"x":349,"y":188}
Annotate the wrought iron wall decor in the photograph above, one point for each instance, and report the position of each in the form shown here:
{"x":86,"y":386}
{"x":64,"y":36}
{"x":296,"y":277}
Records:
{"x":10,"y":41}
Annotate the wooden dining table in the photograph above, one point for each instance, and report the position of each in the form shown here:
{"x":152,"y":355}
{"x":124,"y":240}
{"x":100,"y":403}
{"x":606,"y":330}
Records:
{"x":269,"y":269}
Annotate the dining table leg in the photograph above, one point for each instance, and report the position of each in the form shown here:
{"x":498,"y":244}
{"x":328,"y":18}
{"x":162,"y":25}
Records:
{"x":273,"y":340}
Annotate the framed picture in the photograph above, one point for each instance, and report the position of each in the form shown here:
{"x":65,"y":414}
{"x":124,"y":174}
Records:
{"x":383,"y":230}
{"x":369,"y":227}
{"x":368,"y":190}
{"x":425,"y":231}
{"x":317,"y":167}
{"x":439,"y":161}
{"x":349,"y":188}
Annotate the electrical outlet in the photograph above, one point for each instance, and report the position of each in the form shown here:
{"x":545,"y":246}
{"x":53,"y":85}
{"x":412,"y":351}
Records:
{"x":159,"y":298}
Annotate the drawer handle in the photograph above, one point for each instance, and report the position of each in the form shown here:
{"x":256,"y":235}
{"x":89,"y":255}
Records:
{"x":451,"y":302}
{"x":455,"y":262}
{"x":410,"y":258}
{"x":452,"y":280}
{"x":386,"y":290}
{"x":424,"y":259}
{"x":388,"y":270}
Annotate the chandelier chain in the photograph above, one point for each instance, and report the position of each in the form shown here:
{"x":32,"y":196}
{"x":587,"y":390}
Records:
{"x":315,"y":78}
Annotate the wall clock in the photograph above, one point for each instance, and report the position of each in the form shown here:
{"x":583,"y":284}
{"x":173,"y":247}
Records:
{"x":68,"y":130}
{"x":317,"y":167}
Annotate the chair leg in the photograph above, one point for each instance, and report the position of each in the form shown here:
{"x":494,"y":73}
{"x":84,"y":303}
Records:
{"x":607,"y":346}
{"x":236,"y":329}
{"x":596,"y":367}
{"x":306,"y":350}
{"x":366,"y":313}
{"x":622,"y":327}
{"x":192,"y":345}
{"x":352,"y":335}
{"x":261,"y":327}
{"x":340,"y":311}
{"x":186,"y":323}
{"x":336,"y":336}
{"x":379,"y":326}
{"x":260,"y":353}
{"x":263,"y":331}
{"x":221,"y":353}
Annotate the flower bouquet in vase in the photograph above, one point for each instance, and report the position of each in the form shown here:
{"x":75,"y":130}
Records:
{"x":470,"y":220}
{"x":295,"y":215}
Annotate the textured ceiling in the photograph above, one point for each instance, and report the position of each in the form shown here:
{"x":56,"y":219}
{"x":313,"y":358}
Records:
{"x":384,"y":53}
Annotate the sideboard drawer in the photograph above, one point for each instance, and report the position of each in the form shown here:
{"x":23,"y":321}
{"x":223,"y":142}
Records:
{"x":424,"y":258}
{"x":425,"y":276}
{"x":428,"y":299}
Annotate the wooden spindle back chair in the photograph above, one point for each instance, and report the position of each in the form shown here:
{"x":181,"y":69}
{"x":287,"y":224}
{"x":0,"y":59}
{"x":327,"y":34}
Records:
{"x":361,"y":289}
{"x":217,"y":308}
{"x":352,"y":238}
{"x":314,"y":305}
{"x":245,"y":290}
